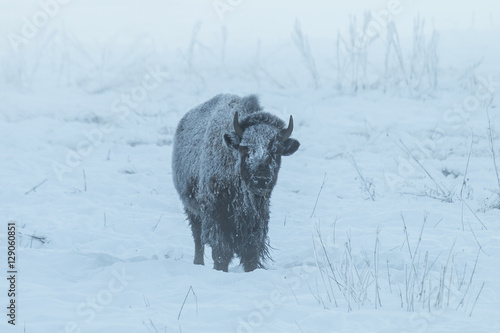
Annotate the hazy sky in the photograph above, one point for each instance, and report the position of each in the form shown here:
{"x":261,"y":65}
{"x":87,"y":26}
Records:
{"x":173,"y":20}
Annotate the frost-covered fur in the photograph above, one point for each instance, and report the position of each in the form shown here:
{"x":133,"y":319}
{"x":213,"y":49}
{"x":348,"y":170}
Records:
{"x":225,"y":180}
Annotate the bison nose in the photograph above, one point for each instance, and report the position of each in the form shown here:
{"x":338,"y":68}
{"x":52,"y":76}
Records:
{"x":261,"y":182}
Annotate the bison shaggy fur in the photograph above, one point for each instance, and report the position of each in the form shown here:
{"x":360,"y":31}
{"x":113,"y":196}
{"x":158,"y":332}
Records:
{"x":226,"y":157}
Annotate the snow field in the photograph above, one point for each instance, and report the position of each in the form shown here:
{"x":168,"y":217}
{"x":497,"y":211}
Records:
{"x":385,"y":219}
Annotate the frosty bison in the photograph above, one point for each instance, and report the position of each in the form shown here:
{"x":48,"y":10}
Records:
{"x":226,"y":157}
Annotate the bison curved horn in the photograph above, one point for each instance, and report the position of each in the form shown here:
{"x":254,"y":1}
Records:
{"x":237,"y":126}
{"x":288,"y":131}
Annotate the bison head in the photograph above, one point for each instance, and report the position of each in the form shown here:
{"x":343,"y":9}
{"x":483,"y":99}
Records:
{"x":260,"y":143}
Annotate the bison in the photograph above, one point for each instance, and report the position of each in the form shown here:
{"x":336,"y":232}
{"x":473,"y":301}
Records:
{"x":226,"y":157}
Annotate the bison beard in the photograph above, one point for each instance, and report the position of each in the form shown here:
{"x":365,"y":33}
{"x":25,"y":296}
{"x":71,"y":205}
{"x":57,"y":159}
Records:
{"x":224,"y":170}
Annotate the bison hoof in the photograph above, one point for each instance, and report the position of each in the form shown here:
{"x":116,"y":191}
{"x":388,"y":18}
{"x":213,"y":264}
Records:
{"x":198,"y":261}
{"x":221,"y":267}
{"x":249,"y":266}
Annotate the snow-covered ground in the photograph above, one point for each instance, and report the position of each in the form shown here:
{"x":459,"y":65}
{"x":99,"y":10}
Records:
{"x":385,"y":220}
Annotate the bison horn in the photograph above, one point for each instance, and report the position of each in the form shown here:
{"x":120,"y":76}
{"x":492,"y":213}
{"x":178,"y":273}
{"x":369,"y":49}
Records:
{"x":236,"y":125}
{"x":288,"y":131}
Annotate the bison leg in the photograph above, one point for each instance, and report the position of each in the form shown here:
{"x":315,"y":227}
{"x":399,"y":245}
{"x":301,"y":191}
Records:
{"x":252,"y":254}
{"x":199,"y":248}
{"x":250,"y":260}
{"x":222,"y":257}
